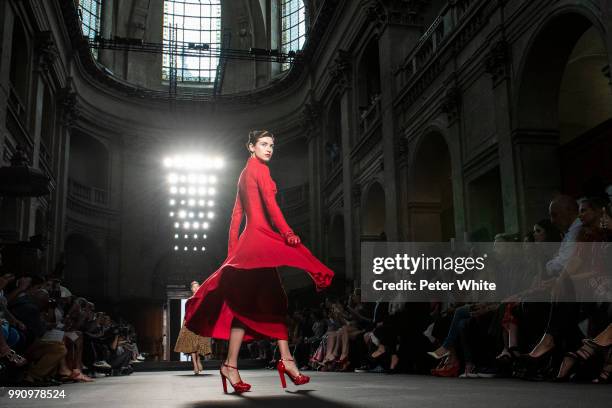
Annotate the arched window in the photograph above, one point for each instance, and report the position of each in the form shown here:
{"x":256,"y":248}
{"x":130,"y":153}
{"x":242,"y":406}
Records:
{"x":293,"y":26}
{"x":191,"y":24}
{"x":90,"y":12}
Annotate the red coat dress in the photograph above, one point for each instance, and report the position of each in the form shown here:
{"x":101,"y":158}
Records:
{"x":247,"y":286}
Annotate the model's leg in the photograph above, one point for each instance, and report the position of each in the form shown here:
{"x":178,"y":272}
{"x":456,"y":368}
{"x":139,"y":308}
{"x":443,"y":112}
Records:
{"x":199,"y":361}
{"x":194,"y":361}
{"x":235,"y":341}
{"x":283,"y":348}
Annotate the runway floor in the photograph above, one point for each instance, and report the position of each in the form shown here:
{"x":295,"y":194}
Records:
{"x":183,"y":389}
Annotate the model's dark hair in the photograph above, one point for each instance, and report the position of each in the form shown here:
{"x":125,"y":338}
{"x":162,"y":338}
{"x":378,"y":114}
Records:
{"x":255,"y":135}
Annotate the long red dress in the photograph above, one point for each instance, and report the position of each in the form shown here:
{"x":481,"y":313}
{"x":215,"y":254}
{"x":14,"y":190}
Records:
{"x":247,"y":286}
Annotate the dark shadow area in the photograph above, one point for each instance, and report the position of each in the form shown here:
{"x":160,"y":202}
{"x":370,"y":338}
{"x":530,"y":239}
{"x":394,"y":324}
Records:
{"x":294,"y":399}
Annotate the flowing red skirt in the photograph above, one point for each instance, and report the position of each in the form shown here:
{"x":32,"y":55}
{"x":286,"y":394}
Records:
{"x":247,"y":287}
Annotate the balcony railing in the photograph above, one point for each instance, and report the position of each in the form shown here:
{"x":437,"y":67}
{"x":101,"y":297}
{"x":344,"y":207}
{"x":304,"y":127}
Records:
{"x":91,"y":195}
{"x":431,"y":41}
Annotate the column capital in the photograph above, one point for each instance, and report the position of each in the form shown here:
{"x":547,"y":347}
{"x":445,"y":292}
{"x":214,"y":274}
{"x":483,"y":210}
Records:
{"x":496,"y":61}
{"x":67,"y":100}
{"x":46,"y":50}
{"x":341,"y":70}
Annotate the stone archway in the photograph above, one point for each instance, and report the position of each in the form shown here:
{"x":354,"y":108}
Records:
{"x":564,"y":114}
{"x":373,"y":219}
{"x":431,"y":208}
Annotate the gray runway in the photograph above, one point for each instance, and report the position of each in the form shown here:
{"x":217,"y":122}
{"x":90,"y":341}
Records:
{"x":183,"y":389}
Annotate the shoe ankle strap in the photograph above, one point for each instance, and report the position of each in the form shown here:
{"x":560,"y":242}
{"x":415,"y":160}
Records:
{"x":227,"y":365}
{"x":286,"y":359}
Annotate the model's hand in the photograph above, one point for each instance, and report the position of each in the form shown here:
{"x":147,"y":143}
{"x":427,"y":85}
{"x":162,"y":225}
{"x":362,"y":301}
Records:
{"x":292,"y":239}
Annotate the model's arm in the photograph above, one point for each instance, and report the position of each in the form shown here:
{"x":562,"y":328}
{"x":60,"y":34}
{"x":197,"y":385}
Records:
{"x":267,"y":190}
{"x":235,"y":224}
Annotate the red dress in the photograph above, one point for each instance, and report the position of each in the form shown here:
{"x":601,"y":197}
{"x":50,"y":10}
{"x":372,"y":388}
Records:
{"x":247,"y":285}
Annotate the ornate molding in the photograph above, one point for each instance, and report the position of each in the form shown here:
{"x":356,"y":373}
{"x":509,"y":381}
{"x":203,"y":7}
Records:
{"x":46,"y":50}
{"x":451,"y":103}
{"x":311,"y":117}
{"x":67,"y":100}
{"x":395,"y":12}
{"x":402,"y":149}
{"x":356,"y":194}
{"x":341,"y":70}
{"x":496,"y":61}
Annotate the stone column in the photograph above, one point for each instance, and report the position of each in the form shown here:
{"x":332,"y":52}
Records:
{"x":311,"y":123}
{"x":341,"y":73}
{"x":68,"y":114}
{"x":496,"y":65}
{"x":398,"y":23}
{"x":451,"y":106}
{"x":6,"y":37}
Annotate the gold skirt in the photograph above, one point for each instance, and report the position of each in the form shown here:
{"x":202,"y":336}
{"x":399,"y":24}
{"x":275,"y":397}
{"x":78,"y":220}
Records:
{"x":189,"y":342}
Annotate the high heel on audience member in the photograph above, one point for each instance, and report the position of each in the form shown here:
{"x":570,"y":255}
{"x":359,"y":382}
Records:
{"x":239,"y":387}
{"x":299,"y":379}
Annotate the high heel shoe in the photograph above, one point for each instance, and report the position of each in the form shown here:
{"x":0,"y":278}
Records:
{"x":299,"y":379}
{"x":239,"y":387}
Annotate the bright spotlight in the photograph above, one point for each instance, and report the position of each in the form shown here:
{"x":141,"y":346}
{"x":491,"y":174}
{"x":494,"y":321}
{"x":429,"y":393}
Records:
{"x":171,"y":214}
{"x":192,"y":178}
{"x":176,"y":225}
{"x":182,"y":190}
{"x":201,"y":203}
{"x":200,"y":215}
{"x":182,"y":214}
{"x":185,"y":248}
{"x":183,"y":179}
{"x":186,"y":225}
{"x":204,"y":236}
{"x":176,"y":247}
{"x":186,"y":236}
{"x":192,"y":191}
{"x":202,"y":179}
{"x":196,"y":225}
{"x":205,"y":225}
{"x":173,"y":190}
{"x":172,"y":178}
{"x":203,"y":248}
{"x":168,"y":162}
{"x":201,"y":191}
{"x":195,"y":248}
{"x":212,"y":179}
{"x":175,"y":236}
{"x":210,"y":215}
{"x":211,"y":203}
{"x":182,"y":202}
{"x":195,"y":236}
{"x":211,"y":191}
{"x":172,"y":202}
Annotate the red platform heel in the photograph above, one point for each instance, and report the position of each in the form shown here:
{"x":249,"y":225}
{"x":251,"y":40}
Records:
{"x":239,"y":387}
{"x":299,"y":379}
